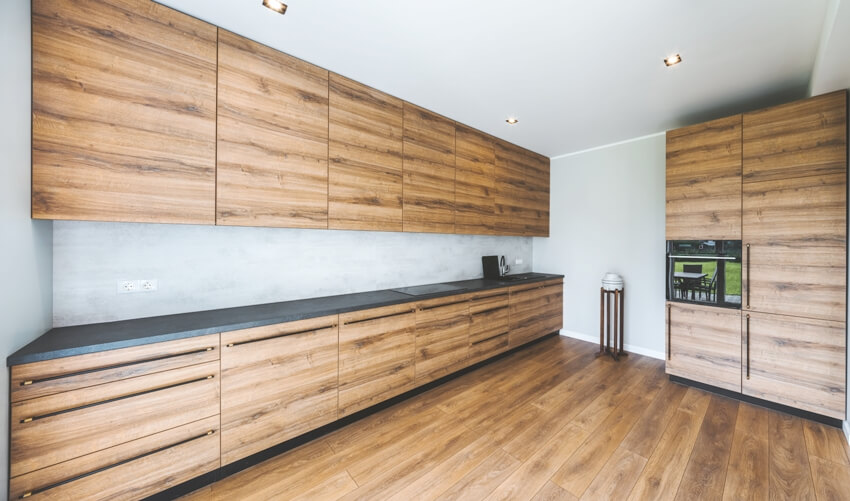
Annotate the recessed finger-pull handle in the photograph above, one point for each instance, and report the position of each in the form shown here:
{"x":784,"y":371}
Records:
{"x":748,"y":276}
{"x":390,"y":315}
{"x":109,"y":467}
{"x":110,"y":400}
{"x":669,"y":336}
{"x":277,"y":336}
{"x":748,"y":346}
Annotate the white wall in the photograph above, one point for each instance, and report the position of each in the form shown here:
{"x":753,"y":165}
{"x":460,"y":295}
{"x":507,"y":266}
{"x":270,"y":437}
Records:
{"x":205,"y":267}
{"x":25,"y":245}
{"x":607,"y":214}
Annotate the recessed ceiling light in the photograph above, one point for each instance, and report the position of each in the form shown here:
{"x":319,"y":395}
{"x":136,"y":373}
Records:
{"x":275,"y":5}
{"x":512,"y":120}
{"x":673,"y":60}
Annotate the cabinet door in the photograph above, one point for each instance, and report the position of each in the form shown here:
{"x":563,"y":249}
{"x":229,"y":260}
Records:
{"x":796,"y":362}
{"x":376,"y":352}
{"x":704,"y":181}
{"x":277,"y":382}
{"x":442,"y":337}
{"x":272,"y":137}
{"x":123,"y":112}
{"x":795,"y":208}
{"x":475,"y":183}
{"x":365,"y":169}
{"x":490,"y":324}
{"x":704,"y":344}
{"x":429,"y":171}
{"x":522,"y":191}
{"x":535,"y":310}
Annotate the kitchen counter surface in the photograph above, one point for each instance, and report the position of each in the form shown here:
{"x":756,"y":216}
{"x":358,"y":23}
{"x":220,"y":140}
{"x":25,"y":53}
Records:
{"x":80,"y":339}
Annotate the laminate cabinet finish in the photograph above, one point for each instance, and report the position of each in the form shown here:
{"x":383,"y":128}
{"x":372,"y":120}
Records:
{"x":798,"y":362}
{"x":489,"y":327}
{"x":376,"y":356}
{"x":704,"y":181}
{"x":56,"y":428}
{"x":803,"y":138}
{"x":277,"y":382}
{"x":442,"y":337}
{"x":475,"y":182}
{"x":124,"y":98}
{"x":272,"y":137}
{"x":522,"y":191}
{"x":429,"y":171}
{"x":131,"y":470}
{"x":365,"y":160}
{"x":48,"y":377}
{"x":535,"y":310}
{"x":704,"y":344}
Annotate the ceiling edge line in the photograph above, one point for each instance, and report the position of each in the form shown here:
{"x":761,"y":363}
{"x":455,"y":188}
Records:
{"x":609,"y":145}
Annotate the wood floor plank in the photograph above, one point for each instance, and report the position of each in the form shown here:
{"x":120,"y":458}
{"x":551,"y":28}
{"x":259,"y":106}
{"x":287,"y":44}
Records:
{"x":746,"y":476}
{"x":481,"y":481}
{"x":826,"y":442}
{"x":661,"y":476}
{"x":705,"y":475}
{"x":790,"y":475}
{"x":648,"y":430}
{"x":617,"y":478}
{"x":832,"y":480}
{"x":553,"y":492}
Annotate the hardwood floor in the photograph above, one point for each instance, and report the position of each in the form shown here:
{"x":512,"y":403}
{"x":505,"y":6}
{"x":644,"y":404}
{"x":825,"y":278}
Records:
{"x":552,"y":422}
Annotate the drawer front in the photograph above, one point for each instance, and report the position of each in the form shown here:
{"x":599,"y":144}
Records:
{"x":278,"y":382}
{"x":442,"y":338}
{"x":376,"y":352}
{"x":131,"y":470}
{"x":535,"y":313}
{"x":38,"y":379}
{"x":536,"y":285}
{"x":48,"y":430}
{"x":489,"y":317}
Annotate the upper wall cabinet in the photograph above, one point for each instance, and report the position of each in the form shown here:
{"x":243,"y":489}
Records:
{"x":272,"y":137}
{"x":704,"y":181}
{"x":522,"y":191}
{"x":429,"y":171}
{"x":364,"y":174}
{"x":123,"y":112}
{"x":475,"y":182}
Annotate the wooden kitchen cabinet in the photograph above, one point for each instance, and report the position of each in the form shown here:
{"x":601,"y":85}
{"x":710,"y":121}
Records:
{"x":704,"y":181}
{"x":535,"y":310}
{"x":272,"y":137}
{"x":123,"y":104}
{"x":429,"y":171}
{"x":522,"y":191}
{"x":277,"y":382}
{"x":475,"y":182}
{"x":704,"y":344}
{"x":365,"y":161}
{"x":442,"y":337}
{"x":376,"y":356}
{"x":489,"y":328}
{"x":799,"y":362}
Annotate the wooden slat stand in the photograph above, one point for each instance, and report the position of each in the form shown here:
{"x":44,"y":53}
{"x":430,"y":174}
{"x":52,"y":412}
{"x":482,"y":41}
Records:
{"x":606,"y":333}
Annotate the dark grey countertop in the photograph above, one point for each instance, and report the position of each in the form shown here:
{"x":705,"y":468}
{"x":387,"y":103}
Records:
{"x":79,"y":339}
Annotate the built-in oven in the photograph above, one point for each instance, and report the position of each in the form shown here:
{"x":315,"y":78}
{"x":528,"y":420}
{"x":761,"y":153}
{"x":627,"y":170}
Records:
{"x":704,"y":272}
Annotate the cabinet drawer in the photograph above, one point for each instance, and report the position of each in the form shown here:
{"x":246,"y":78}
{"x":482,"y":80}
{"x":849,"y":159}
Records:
{"x":48,"y":430}
{"x":442,"y":337}
{"x":38,"y":379}
{"x":536,"y":285}
{"x":535,"y":312}
{"x":132,"y":470}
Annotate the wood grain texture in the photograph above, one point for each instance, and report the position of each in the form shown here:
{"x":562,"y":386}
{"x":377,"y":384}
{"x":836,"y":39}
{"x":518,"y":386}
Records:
{"x":137,"y":479}
{"x":376,"y":356}
{"x":797,"y":362}
{"x":831,"y":480}
{"x":489,"y":326}
{"x":704,"y":181}
{"x":277,"y":388}
{"x":429,"y":171}
{"x":803,"y":138}
{"x":123,"y":113}
{"x":365,"y":154}
{"x":442,"y":337}
{"x":475,"y":182}
{"x":618,"y":476}
{"x":38,"y":379}
{"x":826,"y":442}
{"x":705,"y":345}
{"x":535,"y":312}
{"x":747,"y":475}
{"x":272,"y":137}
{"x":790,"y":475}
{"x":522,"y":191}
{"x":87,"y":421}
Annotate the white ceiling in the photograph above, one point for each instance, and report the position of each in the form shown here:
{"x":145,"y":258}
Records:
{"x":577,"y":74}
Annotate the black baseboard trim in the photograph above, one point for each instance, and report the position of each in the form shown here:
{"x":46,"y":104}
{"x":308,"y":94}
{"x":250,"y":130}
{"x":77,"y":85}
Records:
{"x":254,"y":459}
{"x":820,"y":418}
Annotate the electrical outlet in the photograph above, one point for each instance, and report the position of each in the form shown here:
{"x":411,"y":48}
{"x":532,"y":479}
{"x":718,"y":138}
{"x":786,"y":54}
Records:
{"x":128,"y":286}
{"x":148,"y":285}
{"x":517,"y":261}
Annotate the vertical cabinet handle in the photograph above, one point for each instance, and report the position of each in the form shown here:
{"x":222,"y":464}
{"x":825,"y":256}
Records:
{"x":748,"y":346}
{"x":748,"y":276}
{"x":669,"y":349}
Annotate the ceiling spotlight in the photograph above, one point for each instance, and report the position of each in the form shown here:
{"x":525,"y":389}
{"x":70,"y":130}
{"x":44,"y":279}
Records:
{"x":512,"y":120}
{"x":673,"y":60}
{"x":275,"y":5}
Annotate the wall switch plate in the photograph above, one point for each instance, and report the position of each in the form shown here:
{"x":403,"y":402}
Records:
{"x":148,"y":285}
{"x":128,"y":286}
{"x":518,"y":261}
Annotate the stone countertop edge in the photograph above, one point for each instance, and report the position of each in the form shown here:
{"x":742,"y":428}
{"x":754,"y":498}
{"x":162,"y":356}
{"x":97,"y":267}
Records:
{"x":61,"y":342}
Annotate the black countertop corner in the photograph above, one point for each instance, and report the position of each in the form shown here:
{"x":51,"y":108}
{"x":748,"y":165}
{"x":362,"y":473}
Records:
{"x":80,"y":339}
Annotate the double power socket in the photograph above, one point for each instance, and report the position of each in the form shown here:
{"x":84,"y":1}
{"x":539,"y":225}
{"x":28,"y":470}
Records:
{"x":131,"y":286}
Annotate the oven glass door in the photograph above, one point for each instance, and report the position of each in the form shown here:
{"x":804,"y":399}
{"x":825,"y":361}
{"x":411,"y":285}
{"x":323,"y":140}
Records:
{"x":704,"y":272}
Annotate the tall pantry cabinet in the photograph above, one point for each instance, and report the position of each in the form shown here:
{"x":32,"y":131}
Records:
{"x":793,"y":221}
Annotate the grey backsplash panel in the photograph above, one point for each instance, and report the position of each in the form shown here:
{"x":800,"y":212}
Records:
{"x":207,"y":267}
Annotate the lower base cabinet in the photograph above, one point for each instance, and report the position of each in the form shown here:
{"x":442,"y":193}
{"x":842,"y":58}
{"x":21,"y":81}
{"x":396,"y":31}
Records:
{"x":489,"y":327}
{"x":442,"y":337}
{"x":536,"y":310}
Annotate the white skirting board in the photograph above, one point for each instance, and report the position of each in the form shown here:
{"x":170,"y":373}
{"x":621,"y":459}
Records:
{"x":847,"y":430}
{"x":629,"y":347}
